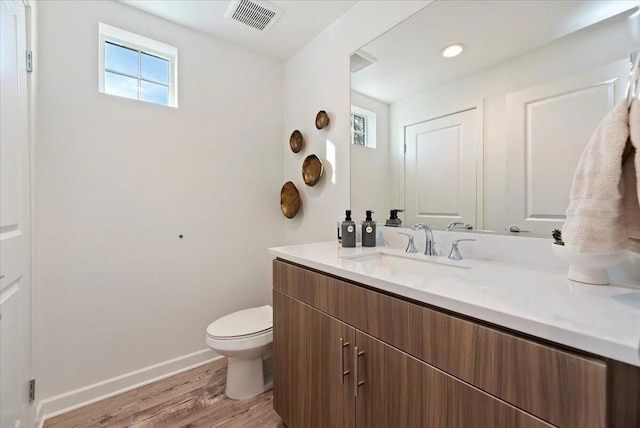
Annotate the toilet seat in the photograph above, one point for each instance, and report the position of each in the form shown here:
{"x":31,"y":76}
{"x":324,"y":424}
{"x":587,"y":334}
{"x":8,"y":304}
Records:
{"x":244,"y":336}
{"x":239,"y":344}
{"x":244,"y":324}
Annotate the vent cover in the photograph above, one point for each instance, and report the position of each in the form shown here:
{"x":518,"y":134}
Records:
{"x":360,"y":59}
{"x":260,"y":15}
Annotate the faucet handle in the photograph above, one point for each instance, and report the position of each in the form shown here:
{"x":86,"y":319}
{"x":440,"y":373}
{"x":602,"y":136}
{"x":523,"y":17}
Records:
{"x":455,"y":224}
{"x":455,"y":252}
{"x":411,"y":246}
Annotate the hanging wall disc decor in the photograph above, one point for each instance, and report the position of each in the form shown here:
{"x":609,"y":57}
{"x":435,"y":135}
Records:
{"x":311,"y":170}
{"x":289,"y":200}
{"x":296,"y":141}
{"x":322,"y":119}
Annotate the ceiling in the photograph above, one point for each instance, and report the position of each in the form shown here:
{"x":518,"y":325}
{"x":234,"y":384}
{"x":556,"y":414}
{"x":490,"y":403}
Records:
{"x":300,"y":22}
{"x":409,"y":59}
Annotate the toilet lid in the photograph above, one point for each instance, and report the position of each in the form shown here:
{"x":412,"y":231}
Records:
{"x":242,"y":323}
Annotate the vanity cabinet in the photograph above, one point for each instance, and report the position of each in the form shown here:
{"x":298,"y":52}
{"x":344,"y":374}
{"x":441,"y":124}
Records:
{"x":417,"y":366}
{"x":328,"y":374}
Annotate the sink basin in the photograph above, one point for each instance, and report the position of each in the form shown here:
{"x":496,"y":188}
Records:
{"x":410,"y":264}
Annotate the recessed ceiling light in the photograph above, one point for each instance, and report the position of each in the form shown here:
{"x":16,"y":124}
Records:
{"x":452,"y":50}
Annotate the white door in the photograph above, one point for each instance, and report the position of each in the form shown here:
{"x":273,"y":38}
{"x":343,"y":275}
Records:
{"x":548,"y":127}
{"x":441,"y":170}
{"x":15,"y":285}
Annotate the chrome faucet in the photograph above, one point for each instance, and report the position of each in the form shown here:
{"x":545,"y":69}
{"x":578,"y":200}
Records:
{"x":430,"y":246}
{"x":455,"y":224}
{"x":411,"y":246}
{"x":455,"y":252}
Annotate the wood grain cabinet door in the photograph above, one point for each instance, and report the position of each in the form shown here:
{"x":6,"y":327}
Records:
{"x":398,"y":390}
{"x":311,"y":356}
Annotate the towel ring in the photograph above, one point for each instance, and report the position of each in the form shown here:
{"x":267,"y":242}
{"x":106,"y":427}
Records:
{"x":634,"y":78}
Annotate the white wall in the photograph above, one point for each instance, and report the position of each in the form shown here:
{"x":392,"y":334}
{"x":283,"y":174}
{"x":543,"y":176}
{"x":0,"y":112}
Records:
{"x":119,"y":180}
{"x":370,"y":166}
{"x":566,"y":57}
{"x":318,"y":78}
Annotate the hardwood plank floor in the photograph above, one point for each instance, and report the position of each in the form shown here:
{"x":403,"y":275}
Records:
{"x":191,"y":399}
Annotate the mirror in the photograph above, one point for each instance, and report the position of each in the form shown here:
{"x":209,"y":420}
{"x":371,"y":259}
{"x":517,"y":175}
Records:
{"x":490,"y":137}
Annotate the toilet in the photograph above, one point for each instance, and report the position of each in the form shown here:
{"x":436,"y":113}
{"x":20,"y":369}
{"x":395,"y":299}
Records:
{"x":245,"y":337}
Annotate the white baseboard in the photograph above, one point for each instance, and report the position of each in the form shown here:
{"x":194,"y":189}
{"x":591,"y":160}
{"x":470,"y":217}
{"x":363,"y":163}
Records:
{"x":72,"y":400}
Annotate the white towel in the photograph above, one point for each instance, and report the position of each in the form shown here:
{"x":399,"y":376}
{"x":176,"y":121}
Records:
{"x":596,"y":214}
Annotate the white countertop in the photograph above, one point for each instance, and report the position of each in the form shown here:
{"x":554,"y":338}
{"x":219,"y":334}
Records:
{"x":603,"y":320}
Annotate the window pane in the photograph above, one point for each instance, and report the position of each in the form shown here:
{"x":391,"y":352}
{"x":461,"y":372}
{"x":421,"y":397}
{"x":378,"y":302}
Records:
{"x":120,"y":59}
{"x":358,"y":126}
{"x":154,"y":68}
{"x":358,"y":123}
{"x":154,"y":93}
{"x":122,"y":86}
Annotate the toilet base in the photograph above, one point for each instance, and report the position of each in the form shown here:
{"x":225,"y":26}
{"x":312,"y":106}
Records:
{"x":247,"y":377}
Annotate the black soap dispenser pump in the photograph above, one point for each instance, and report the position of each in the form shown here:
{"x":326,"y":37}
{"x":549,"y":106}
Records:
{"x":393,"y":220}
{"x":348,"y":231}
{"x":369,"y":231}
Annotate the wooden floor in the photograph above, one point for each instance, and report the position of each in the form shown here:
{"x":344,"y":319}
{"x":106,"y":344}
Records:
{"x":191,"y":399}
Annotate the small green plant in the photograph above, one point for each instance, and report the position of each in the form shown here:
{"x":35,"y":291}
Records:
{"x":557,"y":237}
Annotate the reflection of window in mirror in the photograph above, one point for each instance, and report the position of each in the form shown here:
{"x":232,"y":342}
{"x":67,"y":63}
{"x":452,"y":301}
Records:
{"x":358,"y":129}
{"x":363,"y":127}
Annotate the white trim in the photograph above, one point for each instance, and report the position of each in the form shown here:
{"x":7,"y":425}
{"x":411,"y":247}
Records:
{"x":31,"y":33}
{"x":479,"y":104}
{"x":107,"y":33}
{"x":72,"y":400}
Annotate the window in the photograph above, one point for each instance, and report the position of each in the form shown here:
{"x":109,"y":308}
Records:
{"x":132,"y":66}
{"x":358,"y":129}
{"x":363,"y":127}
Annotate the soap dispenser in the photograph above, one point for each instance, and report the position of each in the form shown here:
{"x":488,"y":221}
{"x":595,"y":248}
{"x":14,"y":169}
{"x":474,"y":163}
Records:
{"x":369,"y":231}
{"x":393,"y":220}
{"x":348,"y":231}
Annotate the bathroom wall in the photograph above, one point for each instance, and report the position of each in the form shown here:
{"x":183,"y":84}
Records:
{"x":568,"y":56}
{"x":119,"y":181}
{"x":370,"y":166}
{"x":317,"y":78}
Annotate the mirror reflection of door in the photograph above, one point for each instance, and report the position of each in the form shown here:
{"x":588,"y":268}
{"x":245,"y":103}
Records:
{"x":548,"y":127}
{"x":441,"y":170}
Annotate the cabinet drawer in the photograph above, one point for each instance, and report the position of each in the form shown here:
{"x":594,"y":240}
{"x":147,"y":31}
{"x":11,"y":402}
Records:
{"x":561,"y":387}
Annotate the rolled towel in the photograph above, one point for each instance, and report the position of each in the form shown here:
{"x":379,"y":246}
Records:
{"x":596,"y":214}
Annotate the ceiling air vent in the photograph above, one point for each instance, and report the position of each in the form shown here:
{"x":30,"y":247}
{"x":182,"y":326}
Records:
{"x":260,"y":15}
{"x":360,"y":59}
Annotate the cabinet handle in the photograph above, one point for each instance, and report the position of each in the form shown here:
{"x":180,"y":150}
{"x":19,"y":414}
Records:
{"x":343,"y":372}
{"x":356,"y":384}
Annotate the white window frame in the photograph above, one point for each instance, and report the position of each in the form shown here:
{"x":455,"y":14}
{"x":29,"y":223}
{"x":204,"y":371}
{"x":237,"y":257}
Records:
{"x":143,"y":44}
{"x":370,"y":124}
